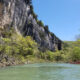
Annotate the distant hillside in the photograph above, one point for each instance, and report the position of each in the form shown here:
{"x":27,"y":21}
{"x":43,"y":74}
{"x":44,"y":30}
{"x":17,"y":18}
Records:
{"x":72,"y":43}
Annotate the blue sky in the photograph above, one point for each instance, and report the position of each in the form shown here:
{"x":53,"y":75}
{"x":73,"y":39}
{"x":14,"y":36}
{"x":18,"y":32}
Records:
{"x":62,"y":16}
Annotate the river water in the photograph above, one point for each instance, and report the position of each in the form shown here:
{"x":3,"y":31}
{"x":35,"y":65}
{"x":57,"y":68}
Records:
{"x":41,"y":71}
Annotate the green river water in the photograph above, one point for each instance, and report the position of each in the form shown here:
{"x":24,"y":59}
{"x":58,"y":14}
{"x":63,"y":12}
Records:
{"x":41,"y":71}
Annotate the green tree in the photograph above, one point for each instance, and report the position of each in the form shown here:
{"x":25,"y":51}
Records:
{"x":46,"y":28}
{"x":75,"y":55}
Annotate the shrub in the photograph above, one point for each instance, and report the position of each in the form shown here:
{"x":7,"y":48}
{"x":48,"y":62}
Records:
{"x":46,"y":29}
{"x":57,"y":56}
{"x":33,"y":13}
{"x":16,"y":45}
{"x":49,"y":55}
{"x":75,"y":55}
{"x":40,"y":23}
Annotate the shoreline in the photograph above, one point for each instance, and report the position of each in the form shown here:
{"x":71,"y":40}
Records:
{"x":7,"y":64}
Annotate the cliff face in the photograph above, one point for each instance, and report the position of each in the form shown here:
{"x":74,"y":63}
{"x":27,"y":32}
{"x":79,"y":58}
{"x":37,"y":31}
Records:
{"x":17,"y":14}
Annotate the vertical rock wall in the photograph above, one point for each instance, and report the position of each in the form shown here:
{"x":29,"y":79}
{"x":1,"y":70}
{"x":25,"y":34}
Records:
{"x":17,"y":14}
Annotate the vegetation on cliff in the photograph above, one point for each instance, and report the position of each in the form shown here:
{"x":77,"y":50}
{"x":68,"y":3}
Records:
{"x":16,"y":49}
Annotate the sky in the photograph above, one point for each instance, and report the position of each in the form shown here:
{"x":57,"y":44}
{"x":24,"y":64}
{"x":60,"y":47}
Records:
{"x":62,"y":17}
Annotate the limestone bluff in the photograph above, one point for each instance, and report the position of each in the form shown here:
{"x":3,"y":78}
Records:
{"x":17,"y":14}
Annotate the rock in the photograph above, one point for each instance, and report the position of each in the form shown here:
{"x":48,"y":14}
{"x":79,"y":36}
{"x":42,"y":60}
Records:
{"x":17,"y":14}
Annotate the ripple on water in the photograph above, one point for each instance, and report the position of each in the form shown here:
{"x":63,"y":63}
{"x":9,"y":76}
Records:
{"x":41,"y":71}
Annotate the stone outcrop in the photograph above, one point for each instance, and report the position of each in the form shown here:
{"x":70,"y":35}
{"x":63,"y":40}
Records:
{"x":17,"y":14}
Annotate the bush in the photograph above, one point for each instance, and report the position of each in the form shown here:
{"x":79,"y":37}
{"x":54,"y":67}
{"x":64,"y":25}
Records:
{"x":40,"y":23}
{"x":46,"y":29}
{"x":18,"y":46}
{"x":49,"y":55}
{"x":58,"y":56}
{"x":75,"y":55}
{"x":33,"y":13}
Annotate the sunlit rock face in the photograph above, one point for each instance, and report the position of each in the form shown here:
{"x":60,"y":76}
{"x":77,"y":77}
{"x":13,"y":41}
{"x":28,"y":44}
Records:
{"x":17,"y":14}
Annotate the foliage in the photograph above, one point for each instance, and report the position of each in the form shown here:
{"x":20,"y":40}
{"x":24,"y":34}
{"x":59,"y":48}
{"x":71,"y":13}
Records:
{"x":46,"y":28}
{"x":75,"y":55}
{"x":16,"y":45}
{"x":25,"y":48}
{"x":40,"y":23}
{"x":71,"y":51}
{"x":33,"y":13}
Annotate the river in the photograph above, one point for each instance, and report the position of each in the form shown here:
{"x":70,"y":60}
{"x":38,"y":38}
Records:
{"x":41,"y":71}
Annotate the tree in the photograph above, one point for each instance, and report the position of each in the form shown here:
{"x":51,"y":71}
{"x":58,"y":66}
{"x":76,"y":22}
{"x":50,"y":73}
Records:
{"x":75,"y":55}
{"x":46,"y":28}
{"x":40,"y":23}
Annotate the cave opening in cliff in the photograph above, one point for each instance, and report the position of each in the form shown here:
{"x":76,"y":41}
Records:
{"x":59,"y":46}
